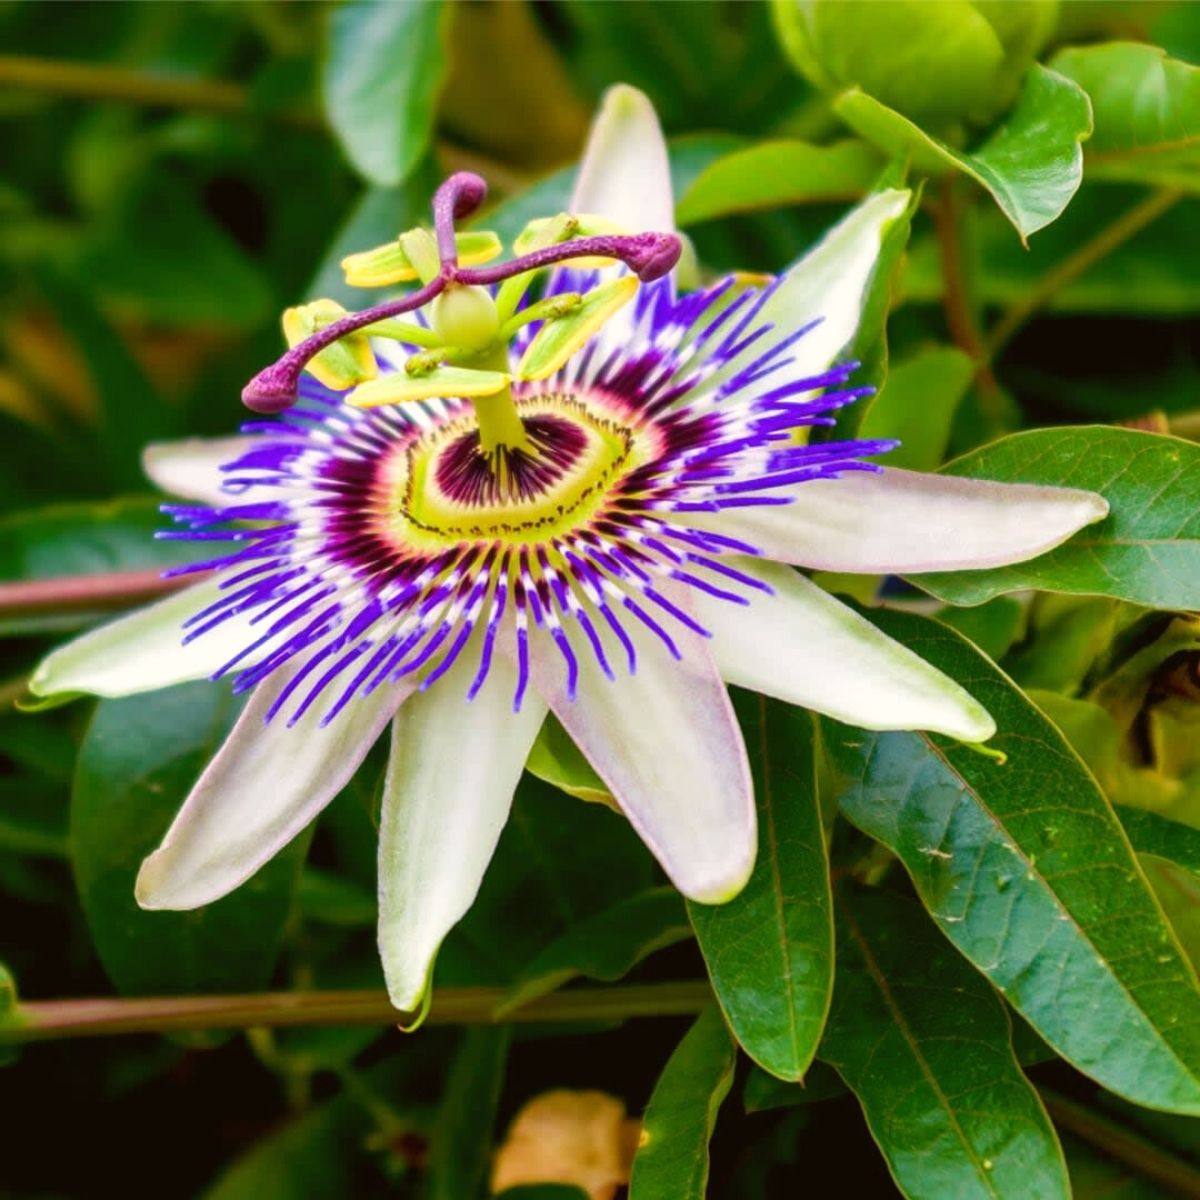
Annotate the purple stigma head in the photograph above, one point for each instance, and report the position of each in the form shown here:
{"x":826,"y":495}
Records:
{"x":272,"y":390}
{"x":652,"y":255}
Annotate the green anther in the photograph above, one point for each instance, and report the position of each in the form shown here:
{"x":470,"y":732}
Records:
{"x":552,"y":308}
{"x":425,"y":362}
{"x":545,"y":231}
{"x":421,"y":250}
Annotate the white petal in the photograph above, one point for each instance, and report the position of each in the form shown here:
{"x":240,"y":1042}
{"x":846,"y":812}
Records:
{"x":144,"y":650}
{"x":625,"y":175}
{"x":453,"y":769}
{"x":830,"y":282}
{"x":668,"y":746}
{"x":803,"y":646}
{"x":192,"y":468}
{"x":906,"y":522}
{"x":266,"y":783}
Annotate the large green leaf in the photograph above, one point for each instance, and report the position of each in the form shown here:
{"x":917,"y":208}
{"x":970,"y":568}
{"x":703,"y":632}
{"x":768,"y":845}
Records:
{"x":1150,"y":833}
{"x":672,"y":1159}
{"x":382,"y":76}
{"x":1026,"y":869}
{"x":916,"y":406}
{"x":770,"y":950}
{"x":1146,"y":551}
{"x":137,"y":762}
{"x":462,"y":1138}
{"x":605,"y":946}
{"x":925,"y":1045}
{"x":1147,"y":109}
{"x":938,"y":62}
{"x":775,"y":174}
{"x":1032,"y":164}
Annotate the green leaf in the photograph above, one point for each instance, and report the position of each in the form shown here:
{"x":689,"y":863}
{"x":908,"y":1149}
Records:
{"x":1026,"y":869}
{"x":1147,"y":109}
{"x":924,"y":1044}
{"x":776,"y":174}
{"x":558,"y":864}
{"x":385,"y":68}
{"x":764,"y":1092}
{"x":1146,"y":551}
{"x":937,"y":62}
{"x":462,"y":1138}
{"x":917,"y":405}
{"x":1150,"y":833}
{"x":331,"y":900}
{"x":8,"y":991}
{"x":604,"y":946}
{"x":993,"y":626}
{"x":1032,"y":164}
{"x":770,"y":949}
{"x":556,"y":760}
{"x":137,"y":762}
{"x":1178,"y":891}
{"x":672,"y":1160}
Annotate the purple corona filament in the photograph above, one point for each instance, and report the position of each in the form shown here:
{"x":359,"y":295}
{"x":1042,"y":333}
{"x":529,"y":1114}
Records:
{"x":377,"y":548}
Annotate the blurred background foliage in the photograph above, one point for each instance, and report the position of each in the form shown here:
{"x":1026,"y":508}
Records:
{"x":173,"y":174}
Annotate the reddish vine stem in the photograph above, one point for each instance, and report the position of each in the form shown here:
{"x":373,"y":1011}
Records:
{"x":86,"y":593}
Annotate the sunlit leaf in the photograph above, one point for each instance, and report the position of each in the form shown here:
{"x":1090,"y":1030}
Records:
{"x":774,"y":174}
{"x":1032,"y":164}
{"x":1147,"y":108}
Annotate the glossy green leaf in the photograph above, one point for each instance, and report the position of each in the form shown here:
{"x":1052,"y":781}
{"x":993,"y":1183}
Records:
{"x":1147,"y":108}
{"x":1032,"y":164}
{"x":769,"y":950}
{"x":462,"y":1138}
{"x":916,"y":406}
{"x":604,"y":946}
{"x":775,"y":174}
{"x":924,"y":1044}
{"x":672,"y":1158}
{"x":138,"y":760}
{"x":948,"y":68}
{"x":558,"y":761}
{"x":1146,"y":551}
{"x":332,"y":900}
{"x":1026,"y":869}
{"x":382,"y":77}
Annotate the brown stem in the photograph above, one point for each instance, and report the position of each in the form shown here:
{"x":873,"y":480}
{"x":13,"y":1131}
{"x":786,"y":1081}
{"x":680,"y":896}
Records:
{"x":956,"y":300}
{"x":1077,"y":262}
{"x":87,"y":593}
{"x":45,"y":1020}
{"x":1151,"y":1162}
